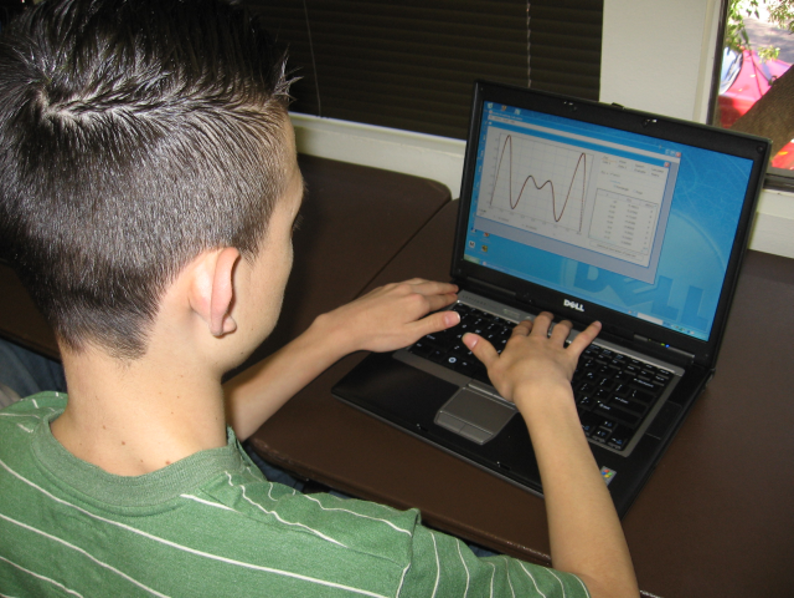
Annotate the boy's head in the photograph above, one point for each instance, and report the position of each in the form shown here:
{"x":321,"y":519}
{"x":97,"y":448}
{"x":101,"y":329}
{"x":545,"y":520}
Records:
{"x":134,"y":134}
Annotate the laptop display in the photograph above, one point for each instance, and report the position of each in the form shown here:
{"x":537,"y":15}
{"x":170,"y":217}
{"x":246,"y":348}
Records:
{"x":639,"y":225}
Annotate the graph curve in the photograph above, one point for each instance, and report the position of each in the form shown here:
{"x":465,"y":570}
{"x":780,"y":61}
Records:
{"x":582,"y":161}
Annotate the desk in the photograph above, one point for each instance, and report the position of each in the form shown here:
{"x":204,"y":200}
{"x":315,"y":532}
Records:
{"x":715,"y":519}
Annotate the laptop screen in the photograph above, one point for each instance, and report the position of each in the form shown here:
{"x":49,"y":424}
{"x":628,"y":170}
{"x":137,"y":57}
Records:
{"x":636,"y":224}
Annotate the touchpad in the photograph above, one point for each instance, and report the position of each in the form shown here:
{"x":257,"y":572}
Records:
{"x":474,"y":415}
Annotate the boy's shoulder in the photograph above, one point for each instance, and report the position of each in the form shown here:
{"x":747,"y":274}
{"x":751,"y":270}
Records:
{"x":28,"y":412}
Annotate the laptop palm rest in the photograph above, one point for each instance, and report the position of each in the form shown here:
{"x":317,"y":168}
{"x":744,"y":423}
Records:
{"x":474,"y":415}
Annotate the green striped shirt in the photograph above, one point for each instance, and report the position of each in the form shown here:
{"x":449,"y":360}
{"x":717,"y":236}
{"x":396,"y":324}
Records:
{"x":212,"y":525}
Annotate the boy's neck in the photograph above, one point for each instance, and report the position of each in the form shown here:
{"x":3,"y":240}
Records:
{"x":132,"y":418}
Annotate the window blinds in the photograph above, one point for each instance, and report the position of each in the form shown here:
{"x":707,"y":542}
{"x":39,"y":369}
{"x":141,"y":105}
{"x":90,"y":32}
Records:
{"x":411,"y":64}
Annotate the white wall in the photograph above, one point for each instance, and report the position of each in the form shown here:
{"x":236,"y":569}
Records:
{"x":420,"y":154}
{"x":657,"y":55}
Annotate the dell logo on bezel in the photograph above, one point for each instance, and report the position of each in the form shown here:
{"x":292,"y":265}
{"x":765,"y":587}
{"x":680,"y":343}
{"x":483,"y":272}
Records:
{"x":575,"y":305}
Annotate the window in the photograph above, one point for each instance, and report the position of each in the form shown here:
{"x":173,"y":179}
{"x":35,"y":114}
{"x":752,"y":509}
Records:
{"x":754,"y":86}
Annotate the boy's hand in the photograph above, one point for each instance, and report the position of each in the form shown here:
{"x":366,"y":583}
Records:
{"x":391,"y":317}
{"x":532,"y":361}
{"x":535,"y":371}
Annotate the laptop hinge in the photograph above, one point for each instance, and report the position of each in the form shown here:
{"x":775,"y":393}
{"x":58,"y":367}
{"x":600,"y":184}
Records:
{"x":663,"y":350}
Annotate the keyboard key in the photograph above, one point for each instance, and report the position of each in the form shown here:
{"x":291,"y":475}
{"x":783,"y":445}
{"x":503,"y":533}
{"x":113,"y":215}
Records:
{"x":609,"y":424}
{"x":467,"y":366}
{"x":438,"y":356}
{"x":601,"y":435}
{"x":622,"y":390}
{"x":637,"y":408}
{"x":606,"y":383}
{"x":602,"y":393}
{"x":646,"y":385}
{"x":611,"y":412}
{"x":422,"y":348}
{"x":619,"y":438}
{"x":460,"y":349}
{"x":643,"y":396}
{"x":590,"y":423}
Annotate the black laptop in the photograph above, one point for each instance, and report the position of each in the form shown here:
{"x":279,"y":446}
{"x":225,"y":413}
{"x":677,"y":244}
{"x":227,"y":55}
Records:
{"x":593,"y":212}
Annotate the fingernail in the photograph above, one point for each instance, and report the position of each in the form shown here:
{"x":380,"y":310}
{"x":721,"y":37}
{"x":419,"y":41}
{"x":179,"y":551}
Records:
{"x":470,"y":341}
{"x":452,"y":318}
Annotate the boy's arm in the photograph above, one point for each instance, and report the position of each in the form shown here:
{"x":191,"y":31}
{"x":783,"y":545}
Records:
{"x":388,"y":318}
{"x":534,"y":371}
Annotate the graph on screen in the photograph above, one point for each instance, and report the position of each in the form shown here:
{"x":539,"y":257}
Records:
{"x":576,"y":191}
{"x":536,"y":185}
{"x":541,"y":182}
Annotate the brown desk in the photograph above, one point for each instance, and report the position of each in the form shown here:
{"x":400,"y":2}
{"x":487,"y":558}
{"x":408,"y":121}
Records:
{"x":716,"y":518}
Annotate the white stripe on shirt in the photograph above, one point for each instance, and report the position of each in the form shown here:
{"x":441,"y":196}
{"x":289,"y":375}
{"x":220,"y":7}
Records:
{"x":562,"y":587}
{"x":42,"y":577}
{"x":438,"y":566}
{"x":363,"y":516}
{"x":463,"y":562}
{"x":402,"y":580}
{"x":533,"y":579}
{"x":207,"y":502}
{"x":508,"y":576}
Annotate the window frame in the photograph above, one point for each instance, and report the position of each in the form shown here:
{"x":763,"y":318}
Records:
{"x":775,"y":178}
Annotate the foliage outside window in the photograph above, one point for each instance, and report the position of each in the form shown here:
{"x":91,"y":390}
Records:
{"x":755,"y":92}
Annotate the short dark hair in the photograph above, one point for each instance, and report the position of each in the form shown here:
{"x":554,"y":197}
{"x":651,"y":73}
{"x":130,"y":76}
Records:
{"x":134,"y":134}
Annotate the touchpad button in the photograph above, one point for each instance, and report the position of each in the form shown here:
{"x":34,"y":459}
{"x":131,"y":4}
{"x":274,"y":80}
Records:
{"x":474,"y":416}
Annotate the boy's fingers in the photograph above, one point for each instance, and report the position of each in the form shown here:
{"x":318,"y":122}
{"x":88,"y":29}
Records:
{"x":541,"y":324}
{"x":437,"y":322}
{"x":560,"y":332}
{"x":585,"y":338}
{"x":440,"y":300}
{"x":524,"y":328}
{"x":430,"y":288}
{"x":481,"y":348}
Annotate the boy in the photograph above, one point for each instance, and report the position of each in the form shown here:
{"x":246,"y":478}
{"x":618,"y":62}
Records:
{"x":148,"y":190}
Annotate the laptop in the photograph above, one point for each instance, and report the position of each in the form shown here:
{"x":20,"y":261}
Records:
{"x":593,"y":212}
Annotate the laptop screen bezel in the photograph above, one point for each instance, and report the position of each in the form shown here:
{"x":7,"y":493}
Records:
{"x":531,"y":296}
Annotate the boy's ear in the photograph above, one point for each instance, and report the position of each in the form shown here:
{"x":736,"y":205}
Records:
{"x":213,"y":291}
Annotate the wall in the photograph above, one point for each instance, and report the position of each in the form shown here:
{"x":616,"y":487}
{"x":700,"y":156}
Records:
{"x":657,"y":55}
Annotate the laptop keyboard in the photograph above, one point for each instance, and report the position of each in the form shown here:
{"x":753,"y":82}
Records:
{"x":613,"y":392}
